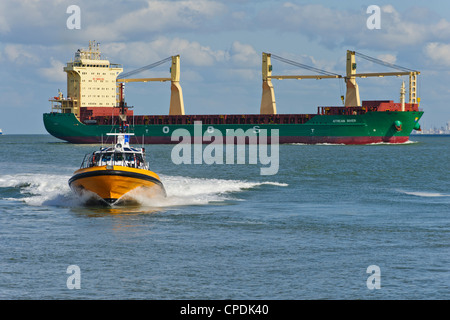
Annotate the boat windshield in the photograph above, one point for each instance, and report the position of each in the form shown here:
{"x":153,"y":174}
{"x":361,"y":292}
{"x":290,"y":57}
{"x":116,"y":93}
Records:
{"x":125,"y":159}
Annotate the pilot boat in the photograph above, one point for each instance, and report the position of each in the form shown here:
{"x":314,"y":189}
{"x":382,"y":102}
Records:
{"x":109,"y":174}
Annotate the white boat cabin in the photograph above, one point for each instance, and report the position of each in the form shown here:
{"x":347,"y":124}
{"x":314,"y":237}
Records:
{"x":121,"y":154}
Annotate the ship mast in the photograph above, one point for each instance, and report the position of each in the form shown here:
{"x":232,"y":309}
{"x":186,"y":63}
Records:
{"x":122,"y":113}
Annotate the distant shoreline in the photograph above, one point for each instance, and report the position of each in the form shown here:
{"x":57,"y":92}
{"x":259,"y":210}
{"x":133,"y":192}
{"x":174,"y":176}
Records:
{"x":430,"y":134}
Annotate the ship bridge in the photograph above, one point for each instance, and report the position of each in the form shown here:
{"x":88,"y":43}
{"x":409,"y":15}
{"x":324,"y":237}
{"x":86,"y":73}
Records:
{"x":91,"y":82}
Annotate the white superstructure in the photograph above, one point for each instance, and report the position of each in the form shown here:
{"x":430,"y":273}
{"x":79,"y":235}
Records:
{"x":91,"y":82}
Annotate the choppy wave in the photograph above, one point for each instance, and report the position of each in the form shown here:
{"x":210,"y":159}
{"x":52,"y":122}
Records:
{"x":53,"y":190}
{"x":38,"y":189}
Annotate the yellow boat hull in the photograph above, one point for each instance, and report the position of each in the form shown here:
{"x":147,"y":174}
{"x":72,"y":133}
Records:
{"x":111,"y":183}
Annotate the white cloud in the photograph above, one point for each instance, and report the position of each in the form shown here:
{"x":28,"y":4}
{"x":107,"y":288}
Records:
{"x":30,"y":16}
{"x":241,"y":61}
{"x":441,"y":30}
{"x":439,"y":53}
{"x":195,"y":53}
{"x":34,"y":21}
{"x":388,"y":9}
{"x":244,"y":54}
{"x":4,"y":26}
{"x":244,"y":73}
{"x":390,"y":58}
{"x":20,"y":54}
{"x":55,"y":72}
{"x":156,"y":16}
{"x":137,"y":54}
{"x":333,"y":27}
{"x":31,"y":21}
{"x":327,"y":25}
{"x":192,"y":53}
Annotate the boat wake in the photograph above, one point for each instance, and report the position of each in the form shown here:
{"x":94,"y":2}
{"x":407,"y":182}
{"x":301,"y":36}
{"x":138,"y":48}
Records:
{"x":198,"y":191}
{"x":37,"y":189}
{"x":316,"y":144}
{"x":53,"y":190}
{"x":390,"y":143}
{"x":424,"y":194}
{"x":343,"y":144}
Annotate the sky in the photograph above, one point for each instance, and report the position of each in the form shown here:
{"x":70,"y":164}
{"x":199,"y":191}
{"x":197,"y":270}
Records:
{"x":220,"y":44}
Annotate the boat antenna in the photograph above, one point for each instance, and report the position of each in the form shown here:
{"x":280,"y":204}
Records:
{"x":122,"y":117}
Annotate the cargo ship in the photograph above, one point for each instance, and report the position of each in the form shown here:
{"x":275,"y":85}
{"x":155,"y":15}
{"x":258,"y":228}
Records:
{"x":95,"y":106}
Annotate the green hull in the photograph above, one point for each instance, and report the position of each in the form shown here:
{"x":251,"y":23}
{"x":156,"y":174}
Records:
{"x":370,"y":127}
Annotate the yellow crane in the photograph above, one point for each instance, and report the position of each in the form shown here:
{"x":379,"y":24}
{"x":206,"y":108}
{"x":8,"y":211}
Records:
{"x":176,"y":96}
{"x":352,"y":95}
{"x":352,"y":98}
{"x":268,"y":105}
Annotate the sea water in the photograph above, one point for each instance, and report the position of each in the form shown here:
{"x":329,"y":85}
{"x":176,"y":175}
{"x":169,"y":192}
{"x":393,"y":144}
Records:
{"x":315,"y":230}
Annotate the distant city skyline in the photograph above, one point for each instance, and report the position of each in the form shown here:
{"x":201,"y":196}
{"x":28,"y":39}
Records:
{"x":220,"y":44}
{"x":432,"y":129}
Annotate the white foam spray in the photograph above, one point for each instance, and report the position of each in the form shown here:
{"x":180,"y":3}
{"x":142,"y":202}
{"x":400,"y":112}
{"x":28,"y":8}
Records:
{"x":53,"y":190}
